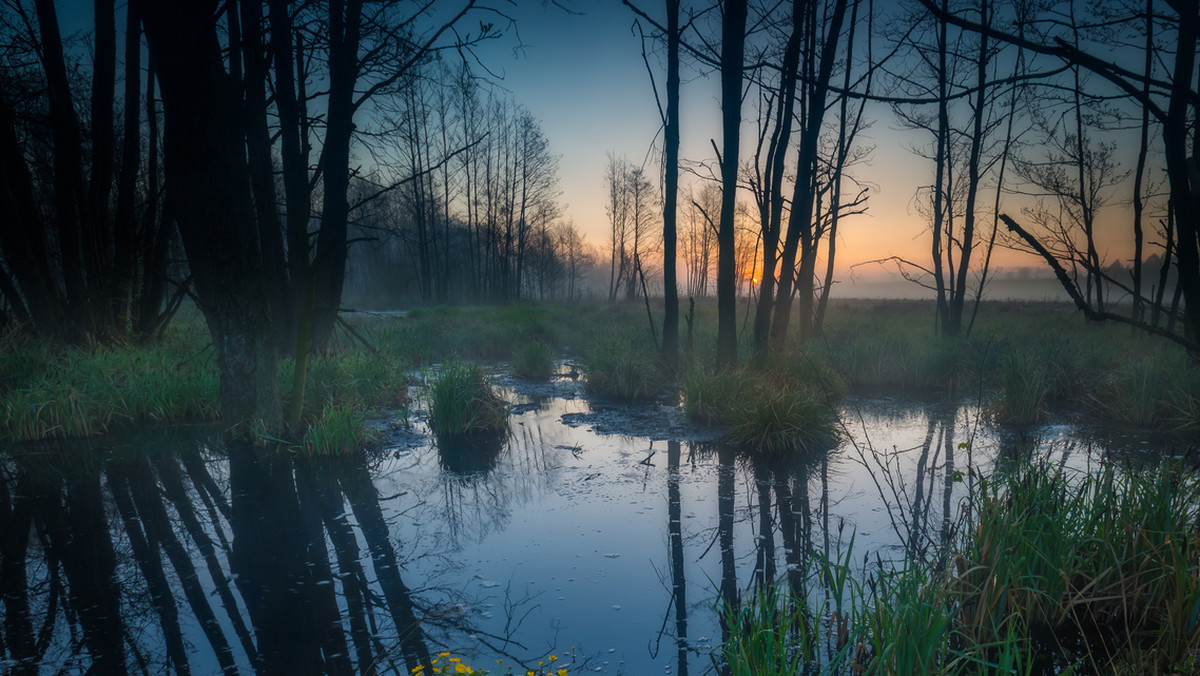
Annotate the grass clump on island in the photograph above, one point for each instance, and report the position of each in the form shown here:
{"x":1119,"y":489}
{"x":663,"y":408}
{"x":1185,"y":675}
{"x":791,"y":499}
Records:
{"x":1053,"y":571}
{"x":463,"y":403}
{"x":791,"y":407}
{"x":534,"y":361}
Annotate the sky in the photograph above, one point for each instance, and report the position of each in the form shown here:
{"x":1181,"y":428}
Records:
{"x":583,"y":77}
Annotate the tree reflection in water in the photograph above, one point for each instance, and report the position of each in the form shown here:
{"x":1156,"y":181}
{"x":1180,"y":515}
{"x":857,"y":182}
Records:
{"x":107,"y":548}
{"x":678,"y":579}
{"x":158,"y":553}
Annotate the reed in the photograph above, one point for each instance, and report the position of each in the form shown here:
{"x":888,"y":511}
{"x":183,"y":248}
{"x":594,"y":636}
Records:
{"x":1056,"y":571}
{"x":1024,"y":394}
{"x":710,"y":396}
{"x":770,"y":632}
{"x":77,"y":392}
{"x":1109,"y":559}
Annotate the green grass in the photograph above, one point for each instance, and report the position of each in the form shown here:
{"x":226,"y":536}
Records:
{"x":616,"y":371}
{"x":782,"y":416}
{"x":1024,"y":394}
{"x":48,"y":390}
{"x":1109,"y":556}
{"x":51,"y":391}
{"x":462,"y":403}
{"x":534,"y":361}
{"x":711,"y":396}
{"x":789,"y":407}
{"x":1030,"y":360}
{"x":770,"y":633}
{"x":338,"y":429}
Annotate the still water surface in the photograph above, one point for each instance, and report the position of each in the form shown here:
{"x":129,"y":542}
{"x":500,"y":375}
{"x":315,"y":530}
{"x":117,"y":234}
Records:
{"x":605,"y":536}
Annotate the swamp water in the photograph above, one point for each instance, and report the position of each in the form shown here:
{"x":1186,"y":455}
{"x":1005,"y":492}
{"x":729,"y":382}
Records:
{"x":604,"y":536}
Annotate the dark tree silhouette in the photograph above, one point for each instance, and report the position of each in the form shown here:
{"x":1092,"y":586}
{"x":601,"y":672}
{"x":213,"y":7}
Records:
{"x":208,"y":181}
{"x":733,"y":39}
{"x":80,"y":263}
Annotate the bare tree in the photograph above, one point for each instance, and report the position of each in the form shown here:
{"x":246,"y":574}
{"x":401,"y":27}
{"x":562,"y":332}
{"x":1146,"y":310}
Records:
{"x":700,"y":237}
{"x":1169,"y":96}
{"x":800,"y":246}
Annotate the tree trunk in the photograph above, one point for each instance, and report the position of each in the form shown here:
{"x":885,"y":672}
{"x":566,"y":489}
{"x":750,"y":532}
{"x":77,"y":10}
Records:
{"x":208,"y":178}
{"x":800,"y":226}
{"x":104,"y":283}
{"x":22,"y":240}
{"x":958,"y":298}
{"x":262,"y":170}
{"x":670,"y":344}
{"x":1184,"y":179}
{"x":733,"y":39}
{"x":777,"y":161}
{"x":68,"y":170}
{"x":329,"y":268}
{"x":124,"y":216}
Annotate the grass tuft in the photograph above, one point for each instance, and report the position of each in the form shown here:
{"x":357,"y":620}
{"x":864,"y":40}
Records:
{"x":338,"y":429}
{"x":769,"y":413}
{"x":782,"y":417}
{"x":1056,"y":571}
{"x":616,"y":371}
{"x":534,"y":361}
{"x":770,"y":633}
{"x":462,"y":402}
{"x":711,"y":396}
{"x":1024,"y":394}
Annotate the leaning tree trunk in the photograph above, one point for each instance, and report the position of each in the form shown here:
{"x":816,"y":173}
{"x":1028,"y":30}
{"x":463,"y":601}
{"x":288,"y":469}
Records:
{"x":800,"y":226}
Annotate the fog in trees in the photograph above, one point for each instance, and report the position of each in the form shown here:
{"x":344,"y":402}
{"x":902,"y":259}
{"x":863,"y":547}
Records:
{"x":464,"y":204}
